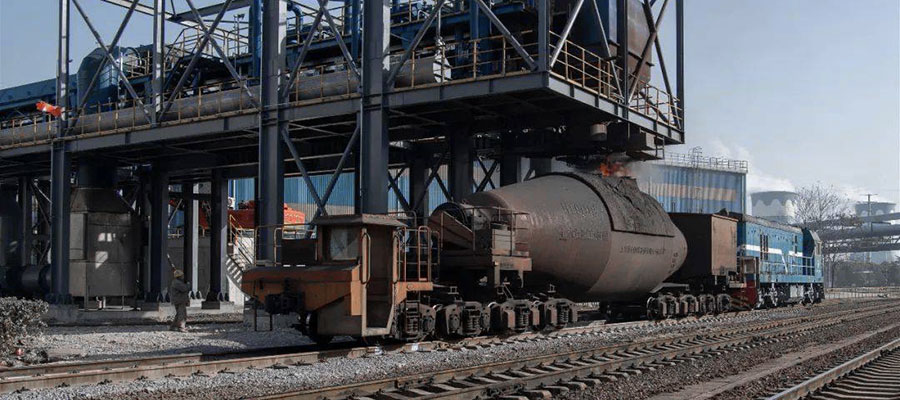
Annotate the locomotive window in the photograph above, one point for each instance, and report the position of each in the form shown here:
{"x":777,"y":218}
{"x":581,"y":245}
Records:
{"x":343,"y":244}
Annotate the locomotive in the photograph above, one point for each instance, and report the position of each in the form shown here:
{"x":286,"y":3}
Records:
{"x":525,"y":257}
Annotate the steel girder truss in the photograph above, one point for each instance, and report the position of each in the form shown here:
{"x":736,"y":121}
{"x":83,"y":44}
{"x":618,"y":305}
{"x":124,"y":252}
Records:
{"x":626,"y":83}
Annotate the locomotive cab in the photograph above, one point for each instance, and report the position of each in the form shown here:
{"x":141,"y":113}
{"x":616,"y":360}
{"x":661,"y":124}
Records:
{"x":359,"y":283}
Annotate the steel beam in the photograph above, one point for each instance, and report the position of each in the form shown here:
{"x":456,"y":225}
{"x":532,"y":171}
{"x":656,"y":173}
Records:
{"x":373,"y":159}
{"x":60,"y":167}
{"x":218,"y":240}
{"x":191,"y":235}
{"x":270,"y":177}
{"x":159,"y":237}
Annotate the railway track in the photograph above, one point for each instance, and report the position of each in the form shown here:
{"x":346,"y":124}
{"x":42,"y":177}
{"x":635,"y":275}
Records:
{"x":550,"y":375}
{"x":99,"y":372}
{"x":873,"y":375}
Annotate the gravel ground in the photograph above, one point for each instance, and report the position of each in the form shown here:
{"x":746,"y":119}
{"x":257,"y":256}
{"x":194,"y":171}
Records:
{"x":674,"y":378}
{"x":341,"y":371}
{"x":84,"y":343}
{"x":791,"y":376}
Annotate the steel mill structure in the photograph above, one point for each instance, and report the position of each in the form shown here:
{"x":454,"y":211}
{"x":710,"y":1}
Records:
{"x":306,"y":89}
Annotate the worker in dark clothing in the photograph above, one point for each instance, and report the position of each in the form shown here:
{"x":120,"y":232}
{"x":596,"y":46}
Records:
{"x":178,"y":292}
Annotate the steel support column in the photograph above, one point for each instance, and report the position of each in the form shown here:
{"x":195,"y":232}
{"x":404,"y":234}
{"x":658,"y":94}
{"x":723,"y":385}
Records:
{"x":218,"y":240}
{"x":270,"y":178}
{"x":541,"y":166}
{"x":191,"y":234}
{"x":543,"y":60}
{"x":373,"y":163}
{"x":60,"y":170}
{"x":418,"y":185}
{"x":159,"y":54}
{"x":255,"y":38}
{"x":622,"y":53}
{"x":510,"y":164}
{"x":460,"y":170}
{"x":159,"y":236}
{"x":679,"y":63}
{"x":26,"y":214}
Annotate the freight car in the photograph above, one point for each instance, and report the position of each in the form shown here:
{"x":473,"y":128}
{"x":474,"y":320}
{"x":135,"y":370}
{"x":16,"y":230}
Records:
{"x":736,"y":261}
{"x":508,"y":260}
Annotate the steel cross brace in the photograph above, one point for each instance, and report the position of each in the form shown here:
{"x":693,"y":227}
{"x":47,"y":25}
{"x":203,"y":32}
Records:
{"x":110,"y":58}
{"x":488,"y":174}
{"x":606,"y":50}
{"x":434,"y":174}
{"x":337,"y":35}
{"x":224,"y":57}
{"x":112,"y":45}
{"x":650,"y":41}
{"x":662,"y":64}
{"x":298,"y":62}
{"x":395,"y":70}
{"x":502,"y":28}
{"x":198,"y":50}
{"x":392,"y":184}
{"x":337,"y":172}
{"x":286,"y":138}
{"x":573,"y":15}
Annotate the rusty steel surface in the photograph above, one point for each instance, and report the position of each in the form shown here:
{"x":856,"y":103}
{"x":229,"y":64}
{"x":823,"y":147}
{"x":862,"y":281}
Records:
{"x":712,"y":239}
{"x":599,"y":238}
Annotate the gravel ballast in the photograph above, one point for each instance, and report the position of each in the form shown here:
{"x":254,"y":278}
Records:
{"x":248,"y":383}
{"x":84,"y":343}
{"x":674,"y":378}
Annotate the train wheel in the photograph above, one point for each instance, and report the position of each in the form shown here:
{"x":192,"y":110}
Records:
{"x":312,"y":328}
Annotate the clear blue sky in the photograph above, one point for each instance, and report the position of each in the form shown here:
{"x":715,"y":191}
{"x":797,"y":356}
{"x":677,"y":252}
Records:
{"x":807,"y":90}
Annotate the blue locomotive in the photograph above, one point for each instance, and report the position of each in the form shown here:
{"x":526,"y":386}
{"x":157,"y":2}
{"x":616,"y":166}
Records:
{"x":782,"y":264}
{"x":736,"y":261}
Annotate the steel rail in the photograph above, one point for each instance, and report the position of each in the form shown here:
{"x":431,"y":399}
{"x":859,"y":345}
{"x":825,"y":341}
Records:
{"x":875,"y":374}
{"x":337,"y":350}
{"x":510,"y":377}
{"x":94,"y":372}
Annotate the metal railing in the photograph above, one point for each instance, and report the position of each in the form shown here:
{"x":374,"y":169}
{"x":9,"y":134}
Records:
{"x":244,"y":253}
{"x":862,"y":292}
{"x":699,"y":161}
{"x":451,"y":63}
{"x":420,"y":243}
{"x":278,"y":233}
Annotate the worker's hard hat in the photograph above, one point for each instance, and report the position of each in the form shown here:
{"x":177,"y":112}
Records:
{"x":178,"y":273}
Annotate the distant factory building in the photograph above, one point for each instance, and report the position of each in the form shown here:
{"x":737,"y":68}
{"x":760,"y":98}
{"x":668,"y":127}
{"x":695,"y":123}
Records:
{"x":780,"y":206}
{"x":693,"y":183}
